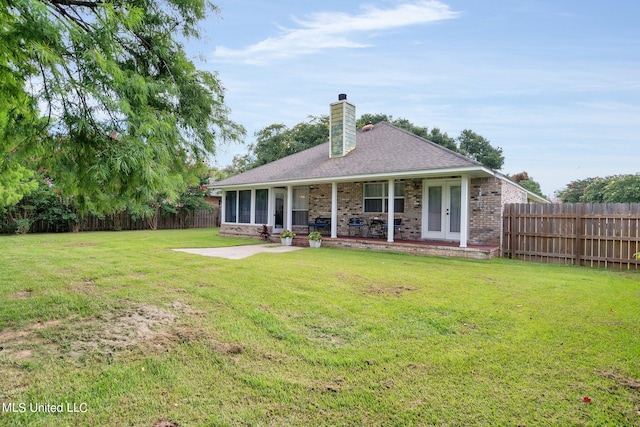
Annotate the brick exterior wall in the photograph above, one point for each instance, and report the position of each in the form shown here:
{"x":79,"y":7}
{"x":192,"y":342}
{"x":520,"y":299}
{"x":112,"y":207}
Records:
{"x":486,"y":206}
{"x":486,"y":203}
{"x":242,"y":230}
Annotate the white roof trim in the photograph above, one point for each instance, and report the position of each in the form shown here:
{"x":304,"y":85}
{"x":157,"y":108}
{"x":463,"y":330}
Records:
{"x":466,"y":170}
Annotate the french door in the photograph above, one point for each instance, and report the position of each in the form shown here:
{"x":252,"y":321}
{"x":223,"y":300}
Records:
{"x":442,"y":209}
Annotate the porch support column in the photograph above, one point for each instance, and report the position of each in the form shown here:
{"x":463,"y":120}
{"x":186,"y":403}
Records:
{"x":464,"y":211}
{"x":334,"y":210}
{"x":391,"y":210}
{"x":271,"y":209}
{"x":252,"y":214}
{"x":289,"y":225}
{"x":223,"y":207}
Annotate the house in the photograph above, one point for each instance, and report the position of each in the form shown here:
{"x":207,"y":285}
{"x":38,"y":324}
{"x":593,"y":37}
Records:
{"x":381,"y":174}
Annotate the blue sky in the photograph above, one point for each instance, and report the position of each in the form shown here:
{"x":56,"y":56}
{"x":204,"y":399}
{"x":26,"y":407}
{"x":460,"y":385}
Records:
{"x":555,"y":84}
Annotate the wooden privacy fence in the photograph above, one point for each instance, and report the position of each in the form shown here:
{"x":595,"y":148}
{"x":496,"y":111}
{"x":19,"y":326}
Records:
{"x":124,"y":221}
{"x":595,"y":235}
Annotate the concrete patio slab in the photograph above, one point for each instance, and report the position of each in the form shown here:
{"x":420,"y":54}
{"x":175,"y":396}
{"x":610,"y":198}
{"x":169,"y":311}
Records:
{"x":239,"y":252}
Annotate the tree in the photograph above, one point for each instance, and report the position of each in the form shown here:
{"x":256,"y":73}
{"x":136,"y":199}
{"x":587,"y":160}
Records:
{"x":372,"y":119}
{"x":610,"y":189}
{"x":19,"y":127}
{"x":478,"y":148}
{"x":595,"y":191}
{"x":126,"y":108}
{"x":433,"y":135}
{"x":574,"y":191}
{"x":42,"y":204}
{"x":277,"y":140}
{"x":623,"y":189}
{"x":527,"y":182}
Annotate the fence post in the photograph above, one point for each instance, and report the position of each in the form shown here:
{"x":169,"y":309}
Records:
{"x":577,"y":231}
{"x":512,"y":226}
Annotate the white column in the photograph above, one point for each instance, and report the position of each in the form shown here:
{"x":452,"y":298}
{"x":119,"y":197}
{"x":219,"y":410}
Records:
{"x":252,"y":214}
{"x":464,"y":211}
{"x":271,"y":210}
{"x":223,"y":207}
{"x":289,"y":225}
{"x":390,"y":215}
{"x":334,"y":210}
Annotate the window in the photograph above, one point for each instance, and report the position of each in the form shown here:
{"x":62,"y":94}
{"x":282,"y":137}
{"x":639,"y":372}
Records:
{"x":300,"y":206}
{"x":376,"y":196}
{"x":398,"y":197}
{"x":238,"y":206}
{"x":244,"y":198}
{"x":230,"y":206}
{"x":262,"y":205}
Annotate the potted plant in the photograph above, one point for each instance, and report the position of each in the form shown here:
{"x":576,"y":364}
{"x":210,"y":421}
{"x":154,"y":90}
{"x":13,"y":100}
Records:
{"x":286,"y":237}
{"x":315,"y":239}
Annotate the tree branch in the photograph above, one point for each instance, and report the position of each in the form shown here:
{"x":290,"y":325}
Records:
{"x":82,"y":3}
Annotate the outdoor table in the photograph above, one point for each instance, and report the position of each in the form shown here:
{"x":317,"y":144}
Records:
{"x":375,"y":227}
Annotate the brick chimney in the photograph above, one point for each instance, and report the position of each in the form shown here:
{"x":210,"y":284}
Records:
{"x":342,"y":127}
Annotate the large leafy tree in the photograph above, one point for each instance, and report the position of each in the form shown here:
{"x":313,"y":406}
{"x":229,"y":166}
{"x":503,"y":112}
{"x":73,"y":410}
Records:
{"x":623,"y":189}
{"x":527,"y":182}
{"x":19,"y":123}
{"x":434,"y":135}
{"x":574,"y":191}
{"x":277,"y":140}
{"x":480,"y":149}
{"x":125,"y":107}
{"x":610,"y":189}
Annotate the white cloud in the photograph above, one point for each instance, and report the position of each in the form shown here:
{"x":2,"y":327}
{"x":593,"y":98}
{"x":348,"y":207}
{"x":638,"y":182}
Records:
{"x":330,"y":30}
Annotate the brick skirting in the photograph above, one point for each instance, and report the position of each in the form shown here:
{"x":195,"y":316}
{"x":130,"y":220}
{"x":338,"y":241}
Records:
{"x":408,"y":247}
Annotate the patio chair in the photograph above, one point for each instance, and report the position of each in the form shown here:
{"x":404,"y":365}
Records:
{"x":397,"y":225}
{"x":356,"y":224}
{"x":320,"y":223}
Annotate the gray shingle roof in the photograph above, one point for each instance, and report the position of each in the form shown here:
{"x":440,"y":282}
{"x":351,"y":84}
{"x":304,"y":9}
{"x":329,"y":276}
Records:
{"x":385,"y":149}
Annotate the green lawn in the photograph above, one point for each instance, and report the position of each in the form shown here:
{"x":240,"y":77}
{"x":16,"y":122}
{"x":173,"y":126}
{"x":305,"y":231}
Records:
{"x":134,"y":334}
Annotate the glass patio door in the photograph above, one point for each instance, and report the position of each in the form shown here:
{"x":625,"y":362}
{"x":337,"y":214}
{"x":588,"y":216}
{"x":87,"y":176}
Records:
{"x":442,"y":210}
{"x":280,"y":204}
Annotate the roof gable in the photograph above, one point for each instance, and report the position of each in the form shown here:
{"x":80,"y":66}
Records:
{"x":385,"y":149}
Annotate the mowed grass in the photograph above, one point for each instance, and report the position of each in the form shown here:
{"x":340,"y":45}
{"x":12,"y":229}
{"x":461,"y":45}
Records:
{"x":133,"y":333}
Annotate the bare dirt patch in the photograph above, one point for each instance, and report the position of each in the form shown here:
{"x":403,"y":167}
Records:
{"x":23,"y":294}
{"x":143,"y":327}
{"x":108,"y":332}
{"x":19,"y":343}
{"x":393,"y":290}
{"x":622,"y":380}
{"x":120,"y":330}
